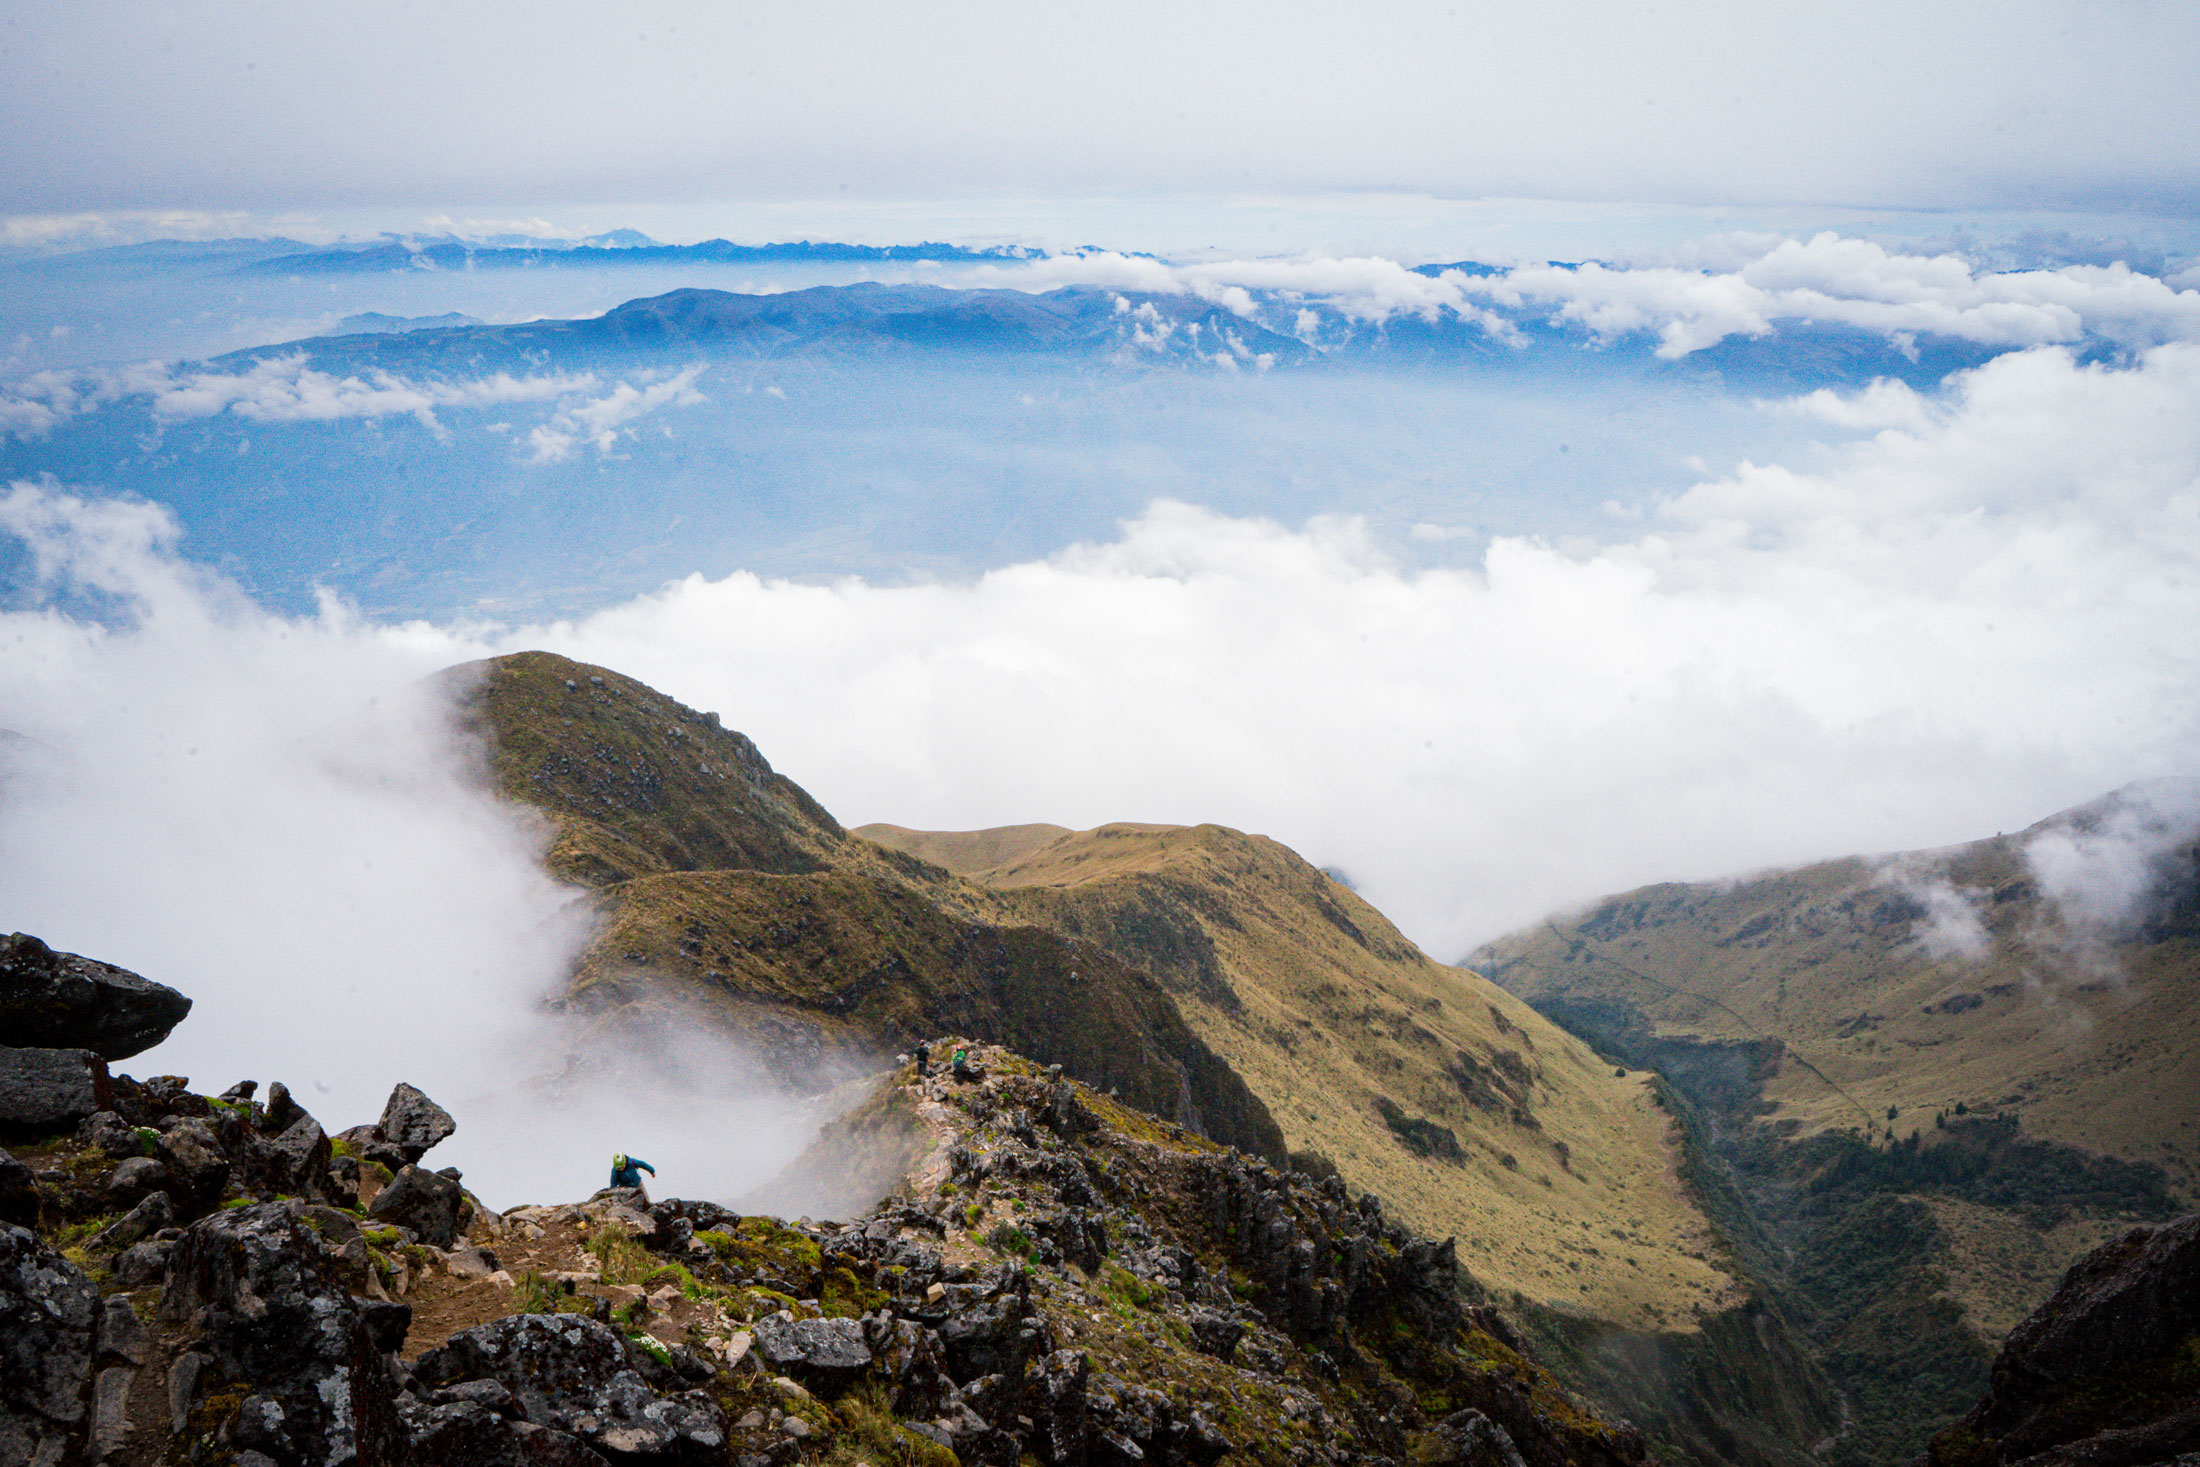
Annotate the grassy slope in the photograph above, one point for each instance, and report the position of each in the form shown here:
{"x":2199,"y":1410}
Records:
{"x":1562,"y":1188}
{"x":1906,"y":1262}
{"x":728,"y":893}
{"x":2095,"y":1046}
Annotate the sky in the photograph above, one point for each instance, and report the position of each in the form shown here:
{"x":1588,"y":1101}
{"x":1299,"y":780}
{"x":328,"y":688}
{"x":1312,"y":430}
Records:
{"x":251,"y":106}
{"x":1815,"y":470}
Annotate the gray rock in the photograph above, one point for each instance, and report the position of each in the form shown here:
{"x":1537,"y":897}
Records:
{"x":1215,"y":1333}
{"x":61,"y":1001}
{"x":833,"y":1349}
{"x":198,"y":1163}
{"x":467,"y":1432}
{"x":267,"y":1303}
{"x":140,"y":1222}
{"x":122,"y":1334}
{"x":571,"y":1374}
{"x":18,"y":1193}
{"x":283,"y":1111}
{"x":1470,"y":1439}
{"x":49,"y":1312}
{"x":111,"y":1411}
{"x":144,"y":1263}
{"x":422,"y":1201}
{"x":295,"y":1161}
{"x":112,"y":1134}
{"x":413,"y":1123}
{"x":133,"y":1177}
{"x":50,"y":1089}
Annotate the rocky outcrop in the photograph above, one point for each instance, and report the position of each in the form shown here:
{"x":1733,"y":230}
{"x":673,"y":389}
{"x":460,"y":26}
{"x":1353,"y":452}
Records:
{"x":427,"y":1203}
{"x":2106,"y":1373}
{"x":256,"y":1294}
{"x":51,"y":1000}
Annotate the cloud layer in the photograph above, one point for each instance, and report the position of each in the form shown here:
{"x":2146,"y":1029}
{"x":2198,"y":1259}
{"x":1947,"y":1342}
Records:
{"x":1987,"y":611}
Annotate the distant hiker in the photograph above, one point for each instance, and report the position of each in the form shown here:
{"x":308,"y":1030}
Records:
{"x":924,"y":1060}
{"x":964,"y":1069}
{"x":626,"y":1171}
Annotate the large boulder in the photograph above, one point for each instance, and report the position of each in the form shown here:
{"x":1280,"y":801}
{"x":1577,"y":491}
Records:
{"x":413,"y":1123}
{"x":258,"y":1295}
{"x":827,"y":1351}
{"x":426,"y":1202}
{"x":50,"y":1089}
{"x":51,"y":1000}
{"x":570,"y":1374}
{"x":49,"y":1319}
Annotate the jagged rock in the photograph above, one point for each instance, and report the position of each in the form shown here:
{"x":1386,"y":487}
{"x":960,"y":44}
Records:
{"x":56,"y":1000}
{"x":366,"y":1143}
{"x":423,"y":1201}
{"x":2102,"y":1373}
{"x":283,"y":1110}
{"x":571,"y":1374}
{"x":1468,"y":1439}
{"x":153,"y":1213}
{"x":143,"y":1263}
{"x":413,"y":1123}
{"x":1215,"y":1333}
{"x":49,"y":1312}
{"x":197,"y":1162}
{"x":122,"y":1334}
{"x":50,"y":1089}
{"x":18,"y":1193}
{"x":294,"y":1161}
{"x":821,"y":1349}
{"x":260,"y":1296}
{"x":133,"y":1177}
{"x":466,"y":1432}
{"x":112,"y":1134}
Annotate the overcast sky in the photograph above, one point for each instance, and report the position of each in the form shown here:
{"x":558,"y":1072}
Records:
{"x":2014,"y":104}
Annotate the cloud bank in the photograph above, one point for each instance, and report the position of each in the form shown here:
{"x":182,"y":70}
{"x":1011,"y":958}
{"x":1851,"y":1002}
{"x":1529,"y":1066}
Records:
{"x":1740,"y":287}
{"x":277,"y":817}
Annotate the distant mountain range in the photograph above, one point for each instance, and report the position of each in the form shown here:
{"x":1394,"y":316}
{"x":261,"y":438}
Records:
{"x":621,"y":248}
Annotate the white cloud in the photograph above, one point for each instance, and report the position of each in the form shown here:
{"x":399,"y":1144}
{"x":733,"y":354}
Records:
{"x":276,"y":816}
{"x":2104,"y":868}
{"x":1922,"y":637}
{"x":1738,"y":286}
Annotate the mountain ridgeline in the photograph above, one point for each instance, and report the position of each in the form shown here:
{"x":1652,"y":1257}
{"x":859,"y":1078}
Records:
{"x":1671,"y":1134}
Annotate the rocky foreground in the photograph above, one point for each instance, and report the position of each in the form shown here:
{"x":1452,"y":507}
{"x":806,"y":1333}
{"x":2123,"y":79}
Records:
{"x":1055,"y":1278}
{"x":210,"y":1279}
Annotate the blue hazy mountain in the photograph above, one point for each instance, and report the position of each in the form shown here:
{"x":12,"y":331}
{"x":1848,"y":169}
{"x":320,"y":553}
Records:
{"x":554,"y":465}
{"x":374,"y":323}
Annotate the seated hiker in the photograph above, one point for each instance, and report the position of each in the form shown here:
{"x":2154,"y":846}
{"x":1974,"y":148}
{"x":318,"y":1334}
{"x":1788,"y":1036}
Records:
{"x":626,"y":1171}
{"x":966,"y":1068}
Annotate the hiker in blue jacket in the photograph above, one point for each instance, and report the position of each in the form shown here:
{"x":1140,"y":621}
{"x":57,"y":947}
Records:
{"x":626,"y":1171}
